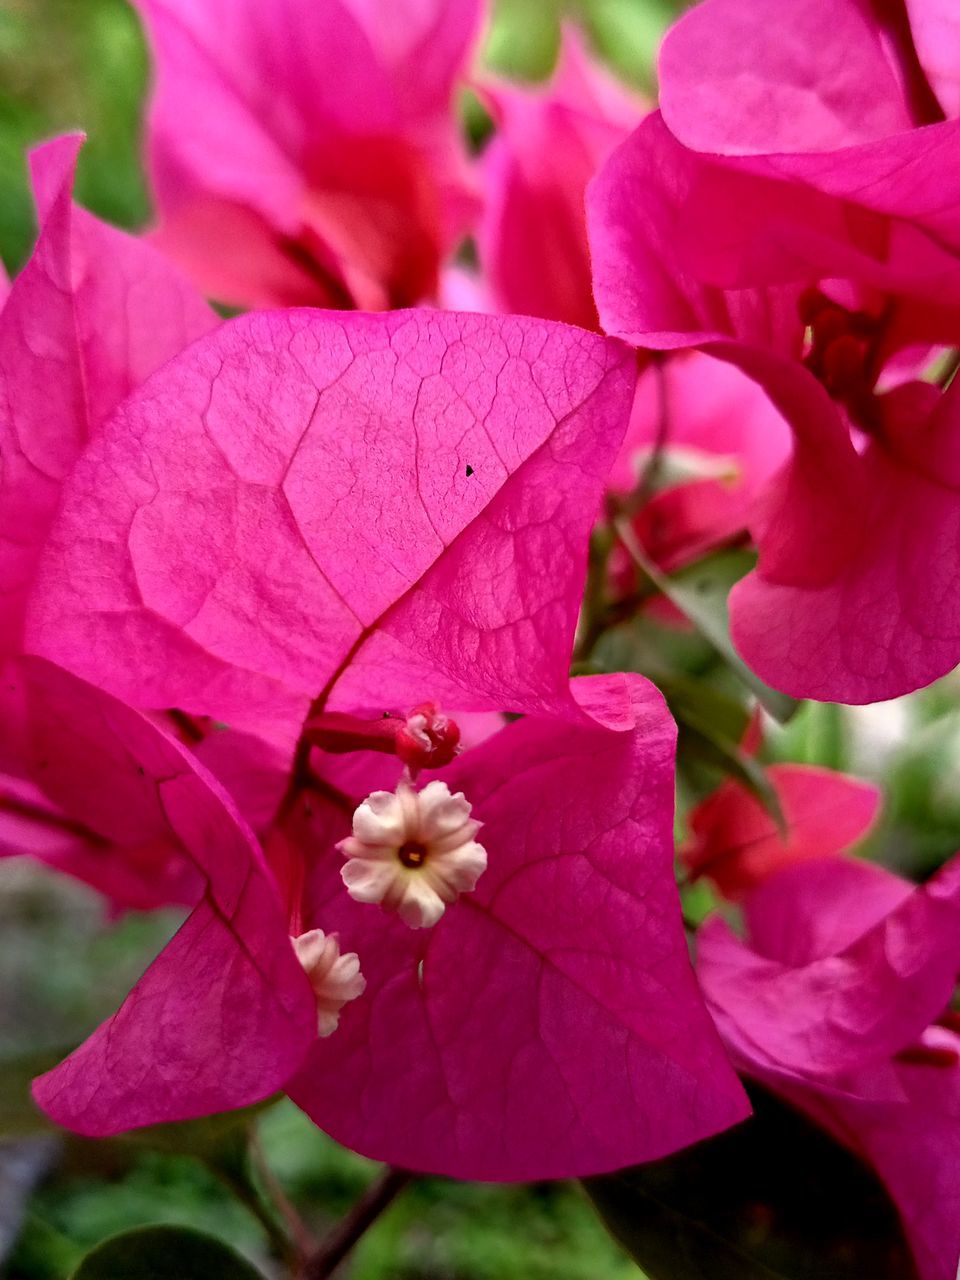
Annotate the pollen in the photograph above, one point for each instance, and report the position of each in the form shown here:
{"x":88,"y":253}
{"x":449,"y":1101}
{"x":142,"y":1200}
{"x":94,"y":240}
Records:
{"x":413,"y":852}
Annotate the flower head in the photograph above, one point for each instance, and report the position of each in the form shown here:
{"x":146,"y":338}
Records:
{"x":413,"y":851}
{"x":336,"y":979}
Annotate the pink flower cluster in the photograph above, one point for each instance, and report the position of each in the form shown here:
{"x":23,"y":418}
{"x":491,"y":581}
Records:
{"x":289,"y":602}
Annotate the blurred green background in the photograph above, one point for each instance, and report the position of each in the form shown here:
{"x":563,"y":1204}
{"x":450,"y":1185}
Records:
{"x":67,"y":64}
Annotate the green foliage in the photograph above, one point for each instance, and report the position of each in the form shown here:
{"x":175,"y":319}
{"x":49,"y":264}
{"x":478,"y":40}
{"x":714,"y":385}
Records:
{"x":627,"y":34}
{"x":700,"y":592}
{"x":923,"y":810}
{"x":817,"y":734}
{"x":462,"y":1231}
{"x":18,"y":1116}
{"x":67,"y":65}
{"x":443,"y":1230}
{"x":524,"y":38}
{"x":159,"y":1253}
{"x":773,"y":1199}
{"x":102,"y":1188}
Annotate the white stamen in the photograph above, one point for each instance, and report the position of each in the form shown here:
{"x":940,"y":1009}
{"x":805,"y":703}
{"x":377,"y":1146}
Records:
{"x":413,"y":852}
{"x":336,"y":979}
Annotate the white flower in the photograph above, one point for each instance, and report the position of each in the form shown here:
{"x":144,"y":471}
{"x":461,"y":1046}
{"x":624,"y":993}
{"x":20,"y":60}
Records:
{"x":335,"y":978}
{"x":413,"y":852}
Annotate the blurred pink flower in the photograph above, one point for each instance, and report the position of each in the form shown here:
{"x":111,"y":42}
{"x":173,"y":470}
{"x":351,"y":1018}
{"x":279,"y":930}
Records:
{"x":737,"y":843}
{"x":833,"y":1002}
{"x":550,"y":141}
{"x":92,"y":313}
{"x":309,"y":153}
{"x":816,"y":233}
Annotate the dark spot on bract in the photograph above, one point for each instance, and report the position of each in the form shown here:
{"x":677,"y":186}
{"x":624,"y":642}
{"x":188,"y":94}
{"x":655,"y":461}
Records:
{"x":469,"y":469}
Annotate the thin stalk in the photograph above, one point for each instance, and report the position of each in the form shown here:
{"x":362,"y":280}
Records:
{"x":296,"y":1227}
{"x":382,"y":1192}
{"x":236,"y":1175}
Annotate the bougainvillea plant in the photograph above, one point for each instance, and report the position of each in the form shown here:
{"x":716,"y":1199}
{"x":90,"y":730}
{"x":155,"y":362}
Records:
{"x":414,"y":547}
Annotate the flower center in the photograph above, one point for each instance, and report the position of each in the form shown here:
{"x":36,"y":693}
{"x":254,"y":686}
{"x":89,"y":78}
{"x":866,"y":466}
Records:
{"x":412,"y":853}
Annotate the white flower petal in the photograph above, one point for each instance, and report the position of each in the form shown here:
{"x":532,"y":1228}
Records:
{"x":368,"y":881}
{"x":420,"y":907}
{"x":381,"y":819}
{"x":461,"y":868}
{"x":335,"y":978}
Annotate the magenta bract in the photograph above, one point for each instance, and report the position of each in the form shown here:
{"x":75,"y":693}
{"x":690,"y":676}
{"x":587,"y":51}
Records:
{"x":477,"y":1047}
{"x":225,"y":1013}
{"x":737,"y":844}
{"x":91,"y":314}
{"x":831,"y":1005}
{"x":397,"y":504}
{"x":377,"y":513}
{"x":859,"y":1001}
{"x":853,"y":597}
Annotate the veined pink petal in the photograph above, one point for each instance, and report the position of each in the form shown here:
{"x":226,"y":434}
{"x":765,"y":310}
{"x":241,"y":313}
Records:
{"x":850,"y":1008}
{"x":394,"y":507}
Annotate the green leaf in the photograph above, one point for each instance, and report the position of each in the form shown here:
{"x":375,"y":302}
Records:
{"x":707,"y":705}
{"x":700,"y":592}
{"x":816,"y":735}
{"x":524,"y":39}
{"x":627,"y":34}
{"x":162,"y":1253}
{"x":773,"y":1199}
{"x":699,"y":741}
{"x":656,"y":651}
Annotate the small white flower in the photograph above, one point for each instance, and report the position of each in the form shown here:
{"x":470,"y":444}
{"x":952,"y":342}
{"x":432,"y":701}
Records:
{"x":413,"y":852}
{"x":335,"y":978}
